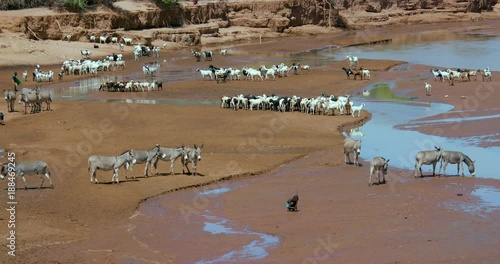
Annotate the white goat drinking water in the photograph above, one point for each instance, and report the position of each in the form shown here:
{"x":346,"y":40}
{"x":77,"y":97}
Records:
{"x":357,"y":108}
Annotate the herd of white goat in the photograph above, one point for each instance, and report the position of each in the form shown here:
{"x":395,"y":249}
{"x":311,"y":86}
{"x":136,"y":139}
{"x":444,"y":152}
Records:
{"x":225,"y":74}
{"x":313,"y":105}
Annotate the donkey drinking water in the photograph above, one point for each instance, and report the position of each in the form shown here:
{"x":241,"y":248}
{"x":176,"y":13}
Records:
{"x":427,"y":157}
{"x":107,"y":163}
{"x":28,"y":168}
{"x":459,"y":158}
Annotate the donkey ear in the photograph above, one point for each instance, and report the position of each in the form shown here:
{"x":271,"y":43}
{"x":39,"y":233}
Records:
{"x":387,"y":161}
{"x":195,"y":146}
{"x":202,"y":145}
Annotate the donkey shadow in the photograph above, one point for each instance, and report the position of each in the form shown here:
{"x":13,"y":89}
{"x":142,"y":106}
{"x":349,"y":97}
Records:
{"x":352,"y":163}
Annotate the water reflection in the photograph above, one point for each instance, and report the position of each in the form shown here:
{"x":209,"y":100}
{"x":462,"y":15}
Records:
{"x":383,"y":138}
{"x":441,"y":48}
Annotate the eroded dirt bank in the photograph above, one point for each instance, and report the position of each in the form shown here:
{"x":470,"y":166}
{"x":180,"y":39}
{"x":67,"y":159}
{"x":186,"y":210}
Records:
{"x":215,"y":22}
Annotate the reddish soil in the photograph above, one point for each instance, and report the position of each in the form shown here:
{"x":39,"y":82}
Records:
{"x":59,"y":225}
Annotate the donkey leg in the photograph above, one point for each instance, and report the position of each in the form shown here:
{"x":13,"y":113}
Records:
{"x":172,"y":167}
{"x":24,"y":180}
{"x":116,"y":176}
{"x":146,"y":169}
{"x":47,"y":175}
{"x":42,"y":177}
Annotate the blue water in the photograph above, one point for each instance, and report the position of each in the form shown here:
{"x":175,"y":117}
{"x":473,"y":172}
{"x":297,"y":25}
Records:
{"x":490,"y":197}
{"x":468,"y":51}
{"x":381,"y":138}
{"x":255,"y":250}
{"x":449,"y":50}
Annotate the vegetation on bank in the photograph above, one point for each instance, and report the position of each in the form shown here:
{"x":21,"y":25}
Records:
{"x":69,"y":4}
{"x":72,"y":5}
{"x":371,"y":5}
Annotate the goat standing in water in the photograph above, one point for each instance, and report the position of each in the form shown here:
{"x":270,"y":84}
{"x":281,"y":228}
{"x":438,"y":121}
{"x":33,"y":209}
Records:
{"x":428,"y":89}
{"x":378,"y":165}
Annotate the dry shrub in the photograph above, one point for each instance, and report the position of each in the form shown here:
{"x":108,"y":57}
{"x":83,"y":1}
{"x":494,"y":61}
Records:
{"x":22,"y":4}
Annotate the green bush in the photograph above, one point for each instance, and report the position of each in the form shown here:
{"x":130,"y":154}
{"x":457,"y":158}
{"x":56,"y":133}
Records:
{"x":75,"y":4}
{"x":168,"y":2}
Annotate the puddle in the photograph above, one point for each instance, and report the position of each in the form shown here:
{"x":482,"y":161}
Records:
{"x":489,"y":202}
{"x":255,"y":250}
{"x":490,"y":196}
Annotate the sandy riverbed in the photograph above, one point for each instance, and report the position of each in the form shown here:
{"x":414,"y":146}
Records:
{"x":80,"y":222}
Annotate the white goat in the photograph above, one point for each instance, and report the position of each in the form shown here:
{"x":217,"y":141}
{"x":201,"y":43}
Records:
{"x":357,"y":108}
{"x":68,"y":38}
{"x":427,"y":89}
{"x":25,"y":76}
{"x":353,"y":61}
{"x":127,"y":41}
{"x":114,"y":40}
{"x":102,"y":39}
{"x":223,"y":52}
{"x":366,"y":74}
{"x":208,"y":73}
{"x":304,"y":67}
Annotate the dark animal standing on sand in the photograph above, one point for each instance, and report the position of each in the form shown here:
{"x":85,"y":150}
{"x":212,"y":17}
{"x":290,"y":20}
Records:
{"x":291,"y":204}
{"x":348,"y":72}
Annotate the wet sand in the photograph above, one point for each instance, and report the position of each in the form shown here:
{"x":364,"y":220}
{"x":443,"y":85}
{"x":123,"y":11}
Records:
{"x":92,"y":224}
